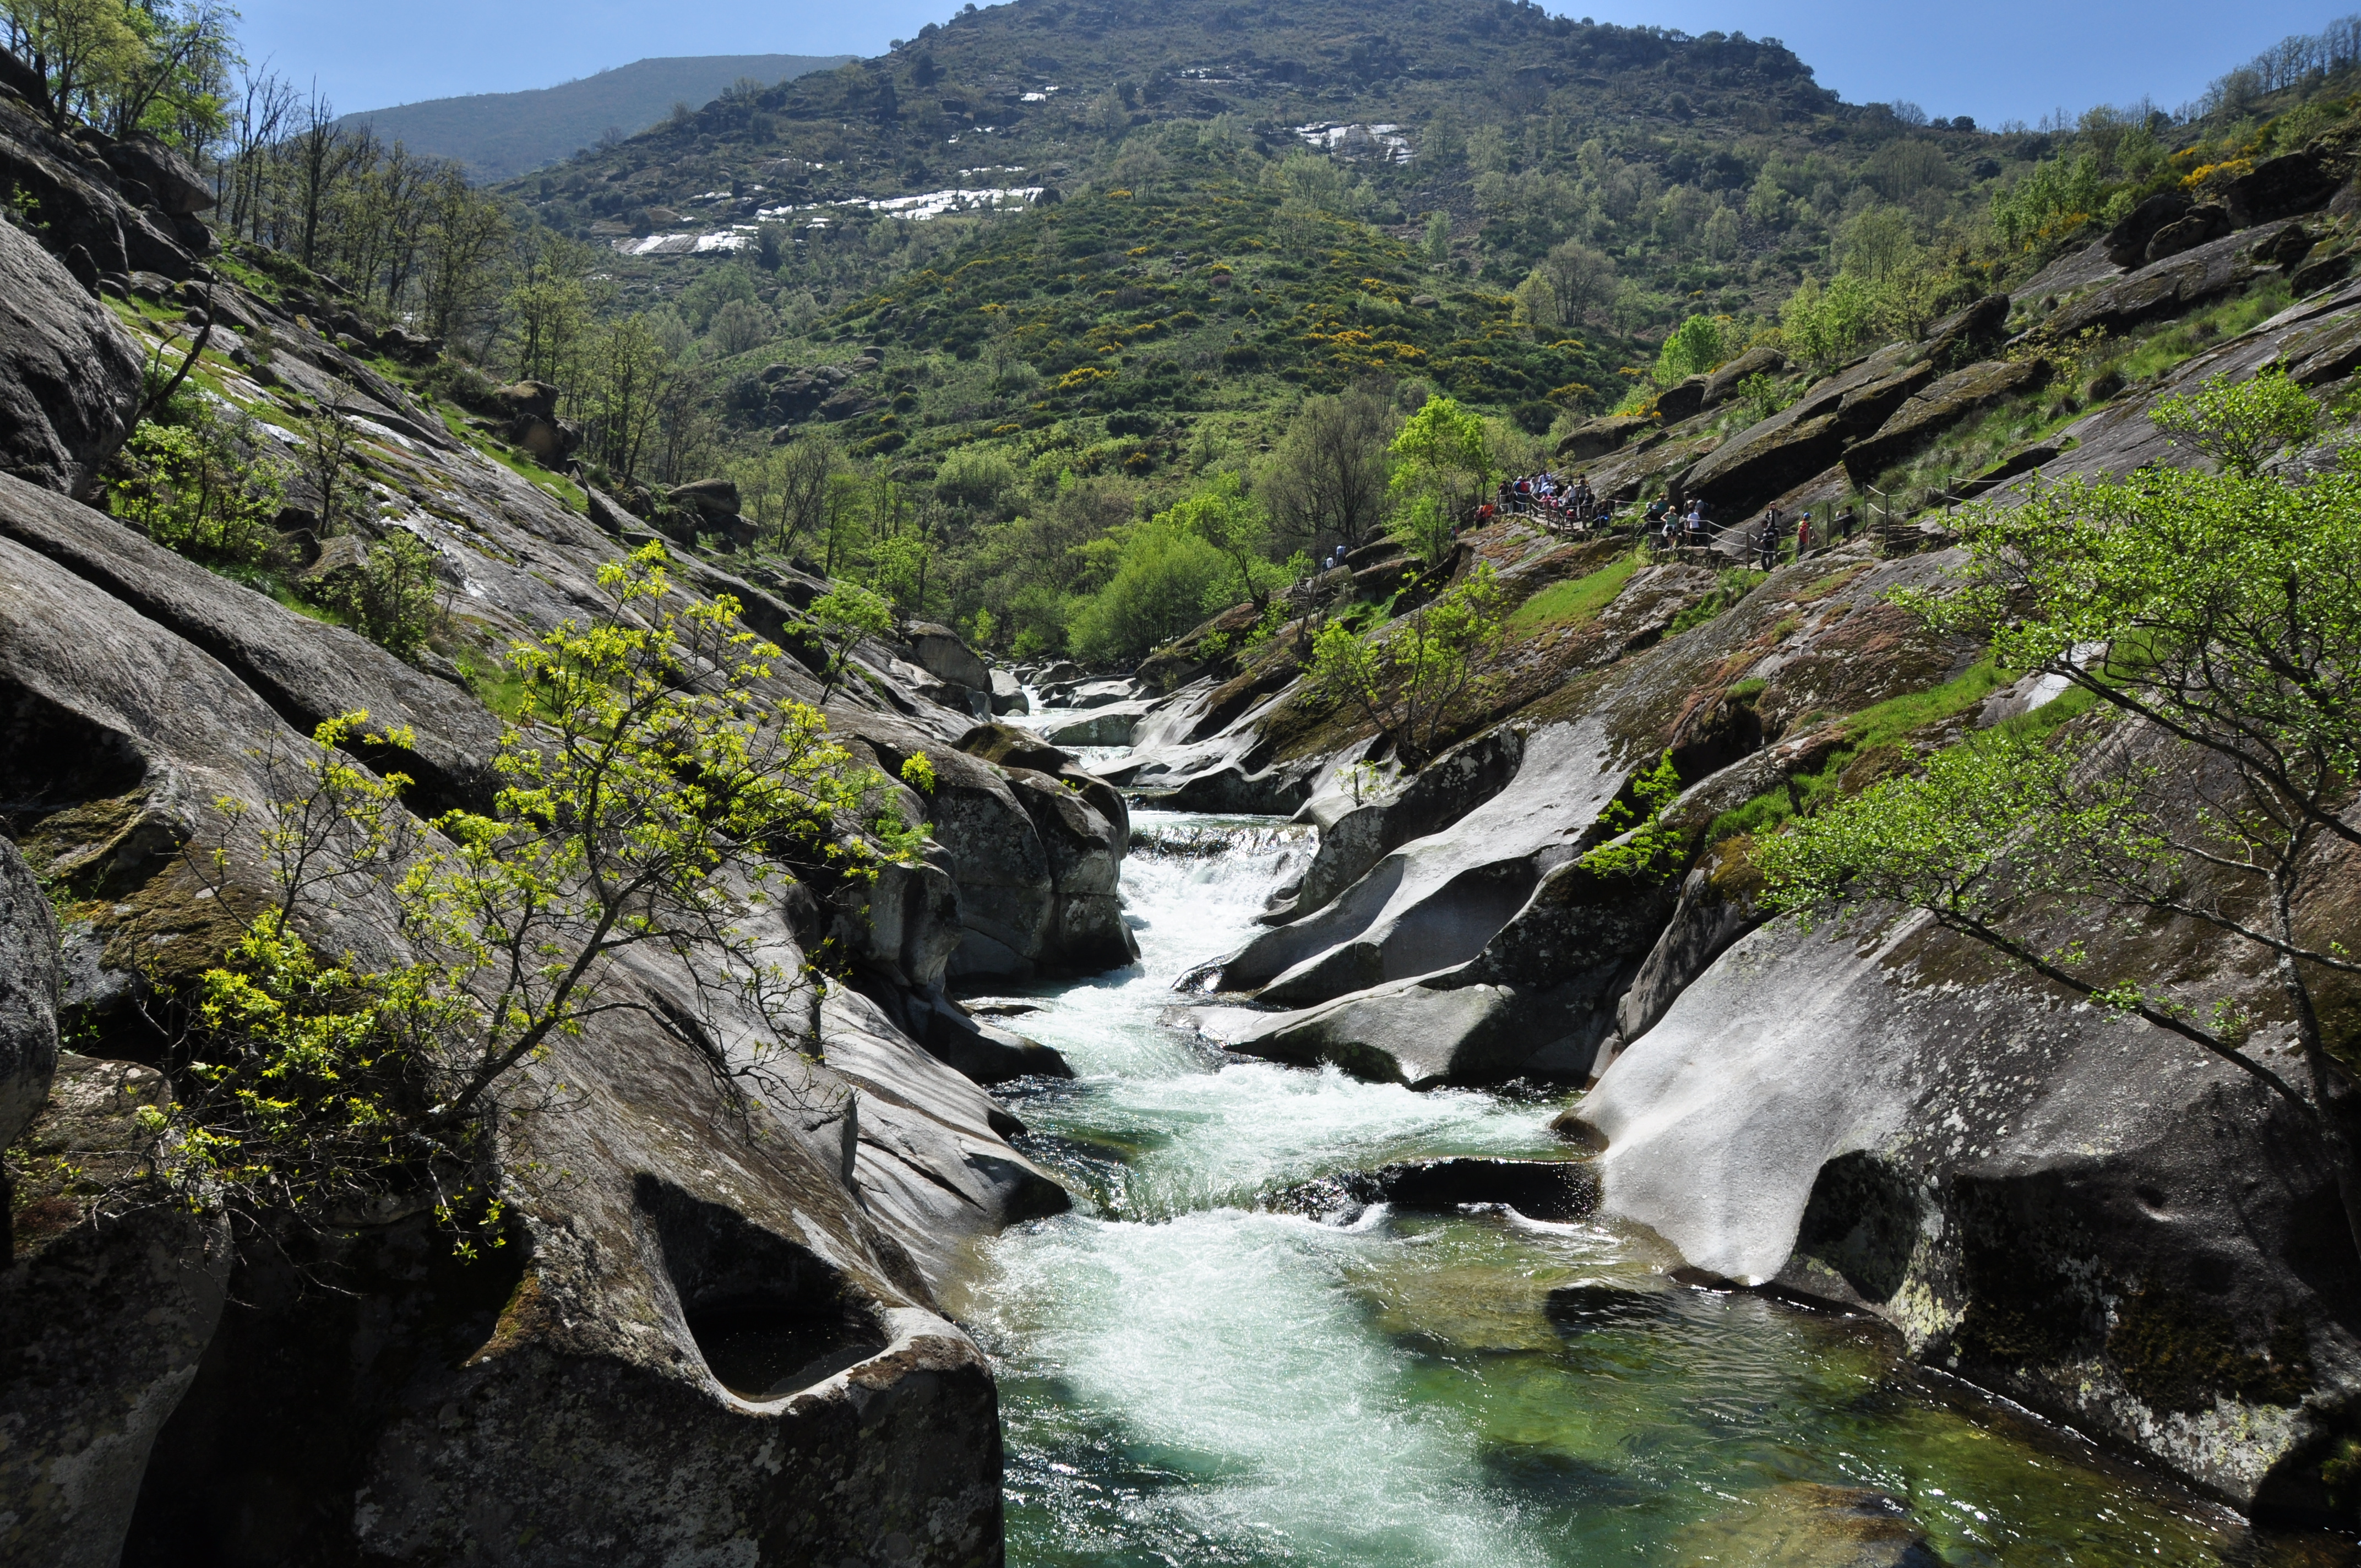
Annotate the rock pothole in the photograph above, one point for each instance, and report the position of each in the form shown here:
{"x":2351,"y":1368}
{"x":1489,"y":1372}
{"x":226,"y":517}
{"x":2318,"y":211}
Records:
{"x":768,"y":1317}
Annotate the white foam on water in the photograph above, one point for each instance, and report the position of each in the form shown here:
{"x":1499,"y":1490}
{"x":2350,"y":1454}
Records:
{"x":1218,"y":1340}
{"x":1188,"y":1380}
{"x":1234,"y":1363}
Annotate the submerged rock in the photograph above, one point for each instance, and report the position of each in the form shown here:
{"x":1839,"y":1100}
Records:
{"x":1537,"y":1189}
{"x":1805,"y":1524}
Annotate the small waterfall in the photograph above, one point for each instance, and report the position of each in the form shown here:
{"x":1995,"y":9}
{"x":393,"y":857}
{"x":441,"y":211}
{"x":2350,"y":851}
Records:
{"x":1160,"y":835}
{"x":1190,"y":1377}
{"x":1193,"y":884}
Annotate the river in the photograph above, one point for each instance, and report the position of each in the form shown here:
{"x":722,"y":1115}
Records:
{"x":1189,"y":1377}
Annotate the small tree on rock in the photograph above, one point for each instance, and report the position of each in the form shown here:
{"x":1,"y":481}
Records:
{"x":1443,"y":469}
{"x":2223,"y":612}
{"x":2241,"y":427}
{"x":653,"y":797}
{"x":1419,"y":678}
{"x":392,"y":597}
{"x":844,"y":617}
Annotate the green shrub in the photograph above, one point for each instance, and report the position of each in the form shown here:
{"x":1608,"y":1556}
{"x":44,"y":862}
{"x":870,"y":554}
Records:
{"x":2241,"y":426}
{"x":1443,"y":465}
{"x":200,"y":486}
{"x":1168,"y":579}
{"x":456,"y":381}
{"x":1695,"y":347}
{"x":2052,"y":201}
{"x":1762,"y":396}
{"x":391,"y":598}
{"x":1825,"y":326}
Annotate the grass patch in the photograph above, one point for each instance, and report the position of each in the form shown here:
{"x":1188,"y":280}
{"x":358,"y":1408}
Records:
{"x":1873,"y":731}
{"x":1574,"y":602}
{"x":1733,"y":586}
{"x":273,"y":582}
{"x":1968,"y":450}
{"x":2071,"y":703}
{"x":557,"y":487}
{"x":2152,"y":356}
{"x":496,"y":685}
{"x":277,"y":587}
{"x":1898,"y":717}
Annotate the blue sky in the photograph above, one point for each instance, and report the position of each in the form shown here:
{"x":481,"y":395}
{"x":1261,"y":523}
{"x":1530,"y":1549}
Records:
{"x":1996,"y":59}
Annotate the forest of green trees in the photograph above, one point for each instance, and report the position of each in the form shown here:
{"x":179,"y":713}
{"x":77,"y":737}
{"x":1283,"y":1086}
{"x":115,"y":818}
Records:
{"x":1063,"y":416}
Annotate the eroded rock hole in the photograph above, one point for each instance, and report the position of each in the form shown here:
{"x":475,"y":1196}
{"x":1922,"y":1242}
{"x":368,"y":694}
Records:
{"x":1861,"y":1222}
{"x":768,"y":1317}
{"x":51,"y":760}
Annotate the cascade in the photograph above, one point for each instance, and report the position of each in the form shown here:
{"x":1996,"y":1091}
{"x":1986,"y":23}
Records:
{"x":1194,"y":1371}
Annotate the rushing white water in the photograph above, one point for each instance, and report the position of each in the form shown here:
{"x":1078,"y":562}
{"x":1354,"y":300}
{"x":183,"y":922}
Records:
{"x":1218,"y":1338}
{"x":1197,"y":1131}
{"x":1188,"y":1380}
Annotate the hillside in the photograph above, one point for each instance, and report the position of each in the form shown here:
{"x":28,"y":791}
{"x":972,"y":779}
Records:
{"x":1709,"y":171}
{"x":1040,"y":273}
{"x":497,"y":135}
{"x":1129,"y":243}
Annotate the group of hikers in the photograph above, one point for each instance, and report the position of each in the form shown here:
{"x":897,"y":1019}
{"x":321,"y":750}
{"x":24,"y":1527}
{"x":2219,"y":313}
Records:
{"x":1772,"y":536}
{"x":1561,"y":507}
{"x":1669,"y":527}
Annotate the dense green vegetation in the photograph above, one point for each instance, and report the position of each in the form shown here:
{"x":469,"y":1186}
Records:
{"x":1203,"y":245}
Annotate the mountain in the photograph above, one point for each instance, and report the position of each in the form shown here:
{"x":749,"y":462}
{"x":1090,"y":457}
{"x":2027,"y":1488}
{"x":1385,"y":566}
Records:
{"x":1711,"y":171}
{"x":497,"y":135}
{"x":1228,"y":186}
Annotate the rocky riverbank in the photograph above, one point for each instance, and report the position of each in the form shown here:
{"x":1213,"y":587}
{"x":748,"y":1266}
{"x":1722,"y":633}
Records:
{"x":709,"y":1327}
{"x":2084,"y":1213}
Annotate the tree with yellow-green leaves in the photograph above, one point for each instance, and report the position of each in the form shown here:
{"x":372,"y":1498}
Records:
{"x":655,"y":797}
{"x":1222,"y":513}
{"x":1444,"y":468}
{"x":2216,"y":617}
